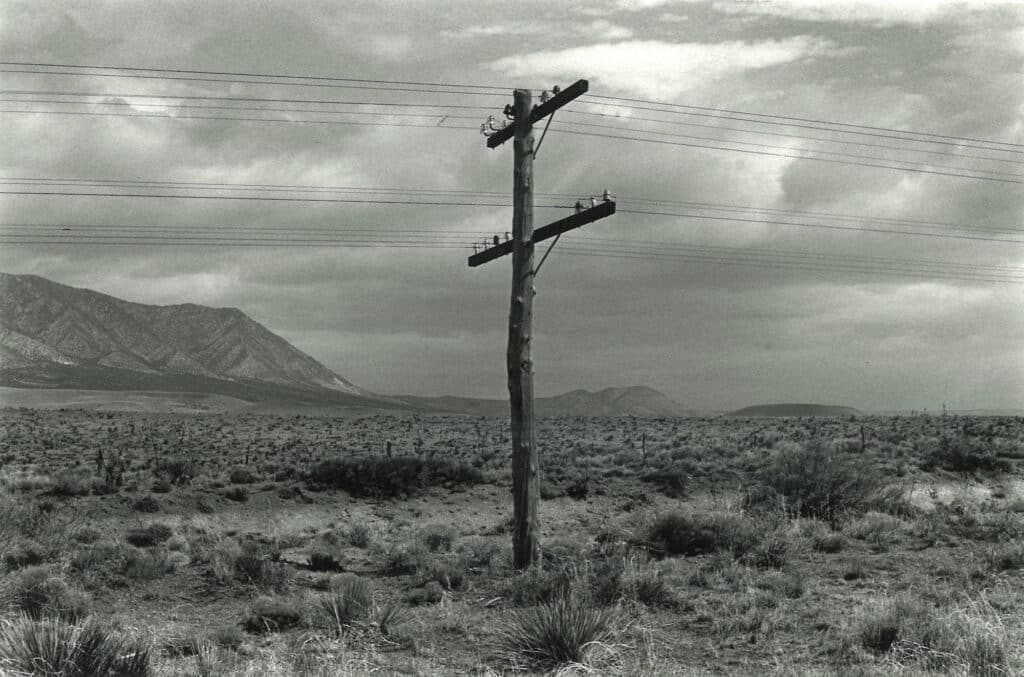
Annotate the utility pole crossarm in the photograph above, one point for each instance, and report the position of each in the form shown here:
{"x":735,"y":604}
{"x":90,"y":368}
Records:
{"x":545,"y":232}
{"x":540,"y":112}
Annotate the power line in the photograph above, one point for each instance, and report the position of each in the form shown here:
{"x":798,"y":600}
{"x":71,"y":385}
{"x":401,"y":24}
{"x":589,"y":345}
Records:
{"x":440,"y":194}
{"x":418,"y":236}
{"x":763,"y":132}
{"x":562,"y":126}
{"x":809,"y":120}
{"x":289,"y":79}
{"x":787,"y":155}
{"x":821,"y":226}
{"x":284,"y":83}
{"x":803,"y":126}
{"x":192,"y":97}
{"x":501,"y":90}
{"x":244,"y":108}
{"x":721,"y":255}
{"x":272,"y":199}
{"x":441,"y":125}
{"x":442,"y":106}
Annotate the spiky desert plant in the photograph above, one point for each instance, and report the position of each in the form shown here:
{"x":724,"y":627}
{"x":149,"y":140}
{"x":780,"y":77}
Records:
{"x":557,"y":633}
{"x":349,"y":601}
{"x":52,"y":647}
{"x":390,"y":615}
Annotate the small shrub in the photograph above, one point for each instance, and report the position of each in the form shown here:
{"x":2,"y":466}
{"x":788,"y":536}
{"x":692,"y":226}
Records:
{"x":161,"y":486}
{"x":965,"y":454}
{"x":239,"y":494}
{"x":68,"y":484}
{"x":227,"y":637}
{"x":557,"y":633}
{"x":437,"y":537}
{"x":241,"y":476}
{"x":478,"y":551}
{"x":149,"y":536}
{"x":324,"y":561}
{"x":671,"y":483}
{"x":380,"y":477}
{"x":406,"y":559}
{"x":831,"y":543}
{"x":360,"y":535}
{"x":788,"y":584}
{"x":430,"y":593}
{"x":56,"y":647}
{"x":817,"y":483}
{"x":451,"y":574}
{"x":149,"y":565}
{"x":175,"y":470}
{"x":272,"y":614}
{"x":38,"y":592}
{"x":771,"y":550}
{"x":538,"y":586}
{"x":146,"y":504}
{"x":855,"y":569}
{"x":86,"y":535}
{"x":254,"y":565}
{"x":23,"y":553}
{"x":675,"y":533}
{"x":1006,"y":556}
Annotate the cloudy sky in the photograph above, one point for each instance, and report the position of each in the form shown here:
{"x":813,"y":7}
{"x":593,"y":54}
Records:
{"x":785,"y":283}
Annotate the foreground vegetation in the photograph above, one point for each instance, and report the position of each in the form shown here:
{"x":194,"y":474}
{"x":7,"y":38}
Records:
{"x":146,"y":544}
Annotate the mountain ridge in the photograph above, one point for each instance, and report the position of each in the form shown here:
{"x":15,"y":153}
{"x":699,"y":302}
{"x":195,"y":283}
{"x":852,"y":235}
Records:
{"x":63,"y":338}
{"x":43,"y":322}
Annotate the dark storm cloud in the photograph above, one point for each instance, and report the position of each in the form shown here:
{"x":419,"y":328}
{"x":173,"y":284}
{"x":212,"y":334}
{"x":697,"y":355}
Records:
{"x":420,"y":321}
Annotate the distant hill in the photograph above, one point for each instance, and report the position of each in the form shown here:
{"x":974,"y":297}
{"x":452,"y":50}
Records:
{"x":628,"y":401}
{"x":56,"y":336}
{"x":78,"y":344}
{"x":822,"y":410}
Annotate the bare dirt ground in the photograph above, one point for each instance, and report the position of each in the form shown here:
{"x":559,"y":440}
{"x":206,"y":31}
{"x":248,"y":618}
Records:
{"x":255,"y":544}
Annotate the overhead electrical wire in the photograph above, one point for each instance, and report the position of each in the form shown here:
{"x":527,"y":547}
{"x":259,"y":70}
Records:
{"x":423,"y":235}
{"x":136,"y":69}
{"x":787,"y":155}
{"x":291,"y":79}
{"x":726,"y":255}
{"x":562,"y":126}
{"x":445,"y":106}
{"x":792,"y":121}
{"x":627,"y":204}
{"x":441,"y":120}
{"x":236,"y":81}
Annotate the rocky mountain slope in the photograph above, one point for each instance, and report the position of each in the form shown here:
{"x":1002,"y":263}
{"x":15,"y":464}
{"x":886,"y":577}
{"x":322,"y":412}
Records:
{"x":56,"y":331}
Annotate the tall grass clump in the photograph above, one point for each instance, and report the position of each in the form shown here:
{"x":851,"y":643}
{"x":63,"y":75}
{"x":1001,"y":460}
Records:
{"x":817,"y":483}
{"x":52,"y":647}
{"x":557,"y":633}
{"x":970,"y":640}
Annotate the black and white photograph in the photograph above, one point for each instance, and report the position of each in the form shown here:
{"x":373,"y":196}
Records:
{"x":548,"y":337}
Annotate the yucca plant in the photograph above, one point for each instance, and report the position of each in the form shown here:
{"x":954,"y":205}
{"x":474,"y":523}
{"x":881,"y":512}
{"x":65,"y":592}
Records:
{"x":349,"y":601}
{"x":389,"y":616}
{"x":52,"y":647}
{"x":557,"y":633}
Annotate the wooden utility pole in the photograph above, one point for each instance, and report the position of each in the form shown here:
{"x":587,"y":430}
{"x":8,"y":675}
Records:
{"x":519,"y":358}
